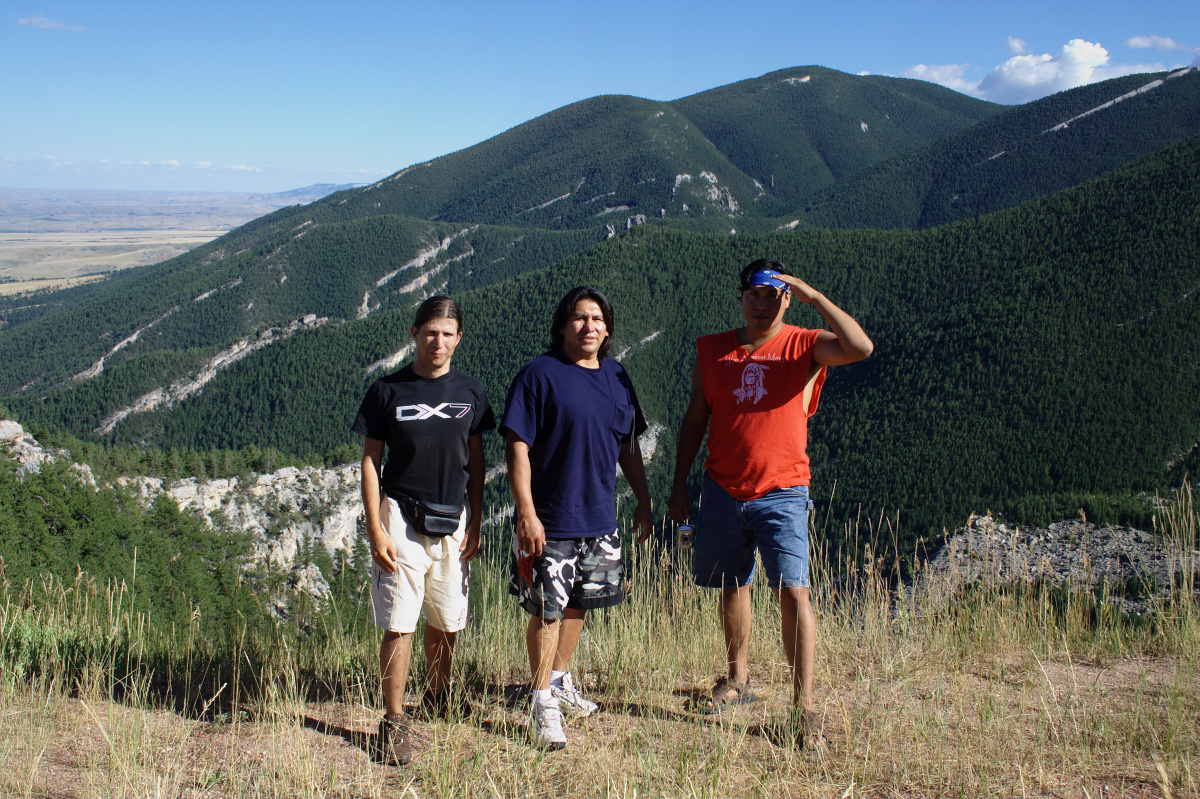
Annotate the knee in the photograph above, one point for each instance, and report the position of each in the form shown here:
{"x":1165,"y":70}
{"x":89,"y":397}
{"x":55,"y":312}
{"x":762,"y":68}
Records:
{"x":439,"y":635}
{"x":732,"y":593}
{"x":542,"y":623}
{"x":795,"y":597}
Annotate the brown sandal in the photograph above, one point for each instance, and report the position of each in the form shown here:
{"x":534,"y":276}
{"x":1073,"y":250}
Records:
{"x":727,"y":693}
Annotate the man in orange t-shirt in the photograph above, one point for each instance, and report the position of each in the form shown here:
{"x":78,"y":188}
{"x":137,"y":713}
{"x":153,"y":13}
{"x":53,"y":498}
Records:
{"x":753,"y":390}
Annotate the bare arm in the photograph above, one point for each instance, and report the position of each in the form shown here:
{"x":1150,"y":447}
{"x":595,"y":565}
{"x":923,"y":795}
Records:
{"x":475,"y":476}
{"x":531,"y":535}
{"x":382,"y":550}
{"x":845,"y":341}
{"x":691,"y":436}
{"x":630,"y":460}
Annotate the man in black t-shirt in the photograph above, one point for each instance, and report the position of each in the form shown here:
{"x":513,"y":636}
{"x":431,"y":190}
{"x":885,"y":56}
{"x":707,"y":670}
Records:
{"x":431,"y":418}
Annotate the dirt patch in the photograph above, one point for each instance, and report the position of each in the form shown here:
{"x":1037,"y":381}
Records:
{"x":915,"y":734}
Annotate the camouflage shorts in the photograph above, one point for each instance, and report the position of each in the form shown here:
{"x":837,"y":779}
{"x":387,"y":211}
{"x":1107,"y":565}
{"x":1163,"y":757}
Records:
{"x":580,"y":573}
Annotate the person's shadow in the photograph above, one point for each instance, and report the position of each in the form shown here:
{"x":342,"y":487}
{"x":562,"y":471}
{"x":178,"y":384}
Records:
{"x":367,"y":741}
{"x":509,"y":698}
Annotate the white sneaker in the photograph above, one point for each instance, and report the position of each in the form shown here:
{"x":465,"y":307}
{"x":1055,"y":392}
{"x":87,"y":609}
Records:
{"x":571,"y":700}
{"x":545,"y":727}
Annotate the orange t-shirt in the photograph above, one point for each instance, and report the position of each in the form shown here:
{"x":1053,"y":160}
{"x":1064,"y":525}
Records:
{"x":758,"y":431}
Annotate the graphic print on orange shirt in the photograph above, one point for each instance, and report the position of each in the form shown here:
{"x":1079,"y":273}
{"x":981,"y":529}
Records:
{"x":752,"y":383}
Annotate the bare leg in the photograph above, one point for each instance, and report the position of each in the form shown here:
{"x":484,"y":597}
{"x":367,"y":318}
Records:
{"x":541,"y":639}
{"x":439,"y":652}
{"x":394,"y":656}
{"x":568,"y":637}
{"x":735,"y":623}
{"x":799,"y":642}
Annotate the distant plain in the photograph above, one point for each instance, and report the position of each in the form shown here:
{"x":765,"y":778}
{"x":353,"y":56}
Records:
{"x":52,"y":239}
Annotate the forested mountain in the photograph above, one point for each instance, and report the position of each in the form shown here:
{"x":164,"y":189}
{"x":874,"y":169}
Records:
{"x":328,"y":260}
{"x":798,"y":130}
{"x":1026,"y":152}
{"x":593,"y":168}
{"x":729,"y":152}
{"x":1021,"y":358}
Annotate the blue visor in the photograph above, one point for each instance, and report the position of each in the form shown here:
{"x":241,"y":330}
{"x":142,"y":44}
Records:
{"x":768,"y":277}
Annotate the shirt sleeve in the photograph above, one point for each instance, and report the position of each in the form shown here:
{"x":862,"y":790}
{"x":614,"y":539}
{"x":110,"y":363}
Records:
{"x":371,"y":421}
{"x":522,"y":410}
{"x":639,"y":421}
{"x":485,"y":418}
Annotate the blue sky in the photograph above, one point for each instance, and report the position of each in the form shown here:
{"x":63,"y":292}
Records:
{"x":269,"y":96}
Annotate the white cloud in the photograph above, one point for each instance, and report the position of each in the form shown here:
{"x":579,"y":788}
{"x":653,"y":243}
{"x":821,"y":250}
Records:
{"x":1165,"y":44}
{"x":948,"y":75}
{"x":1023,"y":78}
{"x":1018,"y":46}
{"x":1026,"y":77}
{"x":1155,"y":42}
{"x":39,"y":21}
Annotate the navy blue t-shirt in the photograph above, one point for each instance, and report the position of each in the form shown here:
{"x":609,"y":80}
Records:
{"x":574,"y":420}
{"x":425,"y":423}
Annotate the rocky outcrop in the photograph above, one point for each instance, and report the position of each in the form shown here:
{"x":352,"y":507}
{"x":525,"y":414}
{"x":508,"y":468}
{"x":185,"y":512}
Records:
{"x":292,"y":507}
{"x":282,"y":511}
{"x":30,"y":456}
{"x":187,"y":386}
{"x":1133,"y":564}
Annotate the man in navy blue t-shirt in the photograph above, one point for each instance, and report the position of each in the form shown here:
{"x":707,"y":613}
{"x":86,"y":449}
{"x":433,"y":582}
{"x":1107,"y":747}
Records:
{"x":571,"y":418}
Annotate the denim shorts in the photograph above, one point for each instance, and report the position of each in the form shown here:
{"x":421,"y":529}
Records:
{"x":729,"y":531}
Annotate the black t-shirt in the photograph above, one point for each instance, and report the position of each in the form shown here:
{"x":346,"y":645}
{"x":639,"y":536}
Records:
{"x":425,"y":424}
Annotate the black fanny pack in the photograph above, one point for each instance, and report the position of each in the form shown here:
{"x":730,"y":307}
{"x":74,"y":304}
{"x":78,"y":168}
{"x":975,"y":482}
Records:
{"x":429,"y":518}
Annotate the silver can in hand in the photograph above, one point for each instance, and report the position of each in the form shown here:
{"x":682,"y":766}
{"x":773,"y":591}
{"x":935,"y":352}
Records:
{"x":685,"y":536}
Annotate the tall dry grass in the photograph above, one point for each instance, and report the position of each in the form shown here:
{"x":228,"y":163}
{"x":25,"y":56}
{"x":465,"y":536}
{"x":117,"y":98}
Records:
{"x":996,"y":691}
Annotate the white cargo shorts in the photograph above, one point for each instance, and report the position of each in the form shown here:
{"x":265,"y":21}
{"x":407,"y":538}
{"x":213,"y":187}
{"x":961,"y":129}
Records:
{"x":430,"y":577}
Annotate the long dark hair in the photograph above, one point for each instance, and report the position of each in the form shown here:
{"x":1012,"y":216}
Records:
{"x":566,"y":306}
{"x":438,"y":308}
